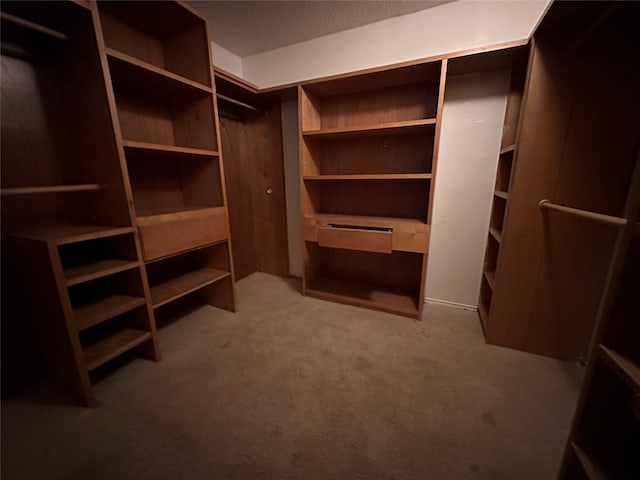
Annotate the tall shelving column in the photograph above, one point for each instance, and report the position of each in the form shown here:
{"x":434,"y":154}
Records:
{"x":368,"y":152}
{"x":69,"y":247}
{"x":159,"y":59}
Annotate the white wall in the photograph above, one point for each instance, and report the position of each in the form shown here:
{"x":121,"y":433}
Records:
{"x":444,"y":29}
{"x":226,"y":60}
{"x":472,"y":119}
{"x":292,"y":184}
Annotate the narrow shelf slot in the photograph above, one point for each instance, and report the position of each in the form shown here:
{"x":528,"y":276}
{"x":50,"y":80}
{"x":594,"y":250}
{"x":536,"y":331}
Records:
{"x":160,"y":150}
{"x":97,"y":312}
{"x":113,"y":345}
{"x":366,"y":221}
{"x":490,"y":276}
{"x":81,"y":187}
{"x":507,"y":149}
{"x":483,"y":314}
{"x":501,"y":194}
{"x":386,"y":176}
{"x":31,"y":26}
{"x":152,"y":216}
{"x":361,"y":294}
{"x":495,"y":233}
{"x":133,"y":69}
{"x":65,"y":234}
{"x":182,"y":285}
{"x":389,"y":128}
{"x":92,"y":271}
{"x":628,"y":370}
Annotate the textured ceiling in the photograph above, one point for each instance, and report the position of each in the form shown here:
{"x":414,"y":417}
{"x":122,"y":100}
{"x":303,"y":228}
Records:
{"x":250,"y":27}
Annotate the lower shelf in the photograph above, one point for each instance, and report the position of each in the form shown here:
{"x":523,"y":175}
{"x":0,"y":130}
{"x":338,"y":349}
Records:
{"x":112,"y":346}
{"x":483,"y":313}
{"x":94,"y":313}
{"x":175,"y":288}
{"x":363,"y":295}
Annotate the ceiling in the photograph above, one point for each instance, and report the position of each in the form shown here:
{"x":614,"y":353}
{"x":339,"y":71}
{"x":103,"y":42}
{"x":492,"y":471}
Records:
{"x":249,"y":27}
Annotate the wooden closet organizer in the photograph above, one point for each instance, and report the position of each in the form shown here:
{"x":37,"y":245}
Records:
{"x":368,"y":156}
{"x":87,"y":169}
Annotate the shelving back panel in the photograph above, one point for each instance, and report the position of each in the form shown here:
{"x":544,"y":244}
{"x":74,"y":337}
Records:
{"x":159,"y":33}
{"x":409,"y":93}
{"x":379,"y":198}
{"x":410,"y":153}
{"x":55,"y":116}
{"x":173,"y":184}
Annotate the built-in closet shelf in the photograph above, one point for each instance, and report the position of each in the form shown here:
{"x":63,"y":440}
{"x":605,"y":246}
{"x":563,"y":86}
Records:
{"x":361,"y":294}
{"x":495,"y":233}
{"x":147,"y":216}
{"x":114,"y":345}
{"x":491,"y":277}
{"x":482,"y":311}
{"x":628,"y":370}
{"x":381,"y":176}
{"x":96,"y":270}
{"x":142,"y":75}
{"x":366,"y":221}
{"x":80,"y":187}
{"x":175,"y":288}
{"x":501,"y":194}
{"x":636,"y":230}
{"x":105,"y":309}
{"x":507,"y":149}
{"x":65,"y":234}
{"x":133,"y":148}
{"x":390,"y":128}
{"x":33,"y":27}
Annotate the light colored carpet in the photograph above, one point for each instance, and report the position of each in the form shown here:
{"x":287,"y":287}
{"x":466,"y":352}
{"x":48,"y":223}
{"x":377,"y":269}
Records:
{"x":293,"y":387}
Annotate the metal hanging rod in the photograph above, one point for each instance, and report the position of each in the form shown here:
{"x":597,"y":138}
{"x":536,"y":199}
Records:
{"x":238,"y":103}
{"x":596,"y":217}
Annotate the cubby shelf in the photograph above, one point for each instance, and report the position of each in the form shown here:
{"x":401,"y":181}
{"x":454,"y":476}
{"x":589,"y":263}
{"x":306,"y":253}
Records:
{"x":591,"y":468}
{"x":389,"y":128}
{"x":490,"y":276}
{"x":381,"y":176}
{"x":507,"y":149}
{"x":65,"y":234}
{"x":495,"y":233}
{"x":628,"y":370}
{"x":366,"y":221}
{"x":482,"y":311}
{"x":96,"y":270}
{"x":361,"y":294}
{"x":501,"y":194}
{"x":131,"y":69}
{"x":104,"y":309}
{"x":114,"y":345}
{"x":45,"y":189}
{"x":169,"y":151}
{"x":182,"y":285}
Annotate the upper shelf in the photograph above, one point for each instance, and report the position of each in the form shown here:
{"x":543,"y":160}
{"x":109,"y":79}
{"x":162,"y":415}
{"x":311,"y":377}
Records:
{"x":166,"y":151}
{"x":64,"y":234}
{"x":32,"y":26}
{"x":378,"y":176}
{"x":625,"y":367}
{"x":81,"y":187}
{"x":389,"y":128}
{"x":149,"y":80}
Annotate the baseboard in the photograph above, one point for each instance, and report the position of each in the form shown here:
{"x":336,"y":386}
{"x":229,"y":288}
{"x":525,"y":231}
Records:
{"x":451,"y":304}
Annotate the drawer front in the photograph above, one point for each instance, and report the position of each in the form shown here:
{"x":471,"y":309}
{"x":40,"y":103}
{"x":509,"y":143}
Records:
{"x":162,"y":235}
{"x":354,"y":238}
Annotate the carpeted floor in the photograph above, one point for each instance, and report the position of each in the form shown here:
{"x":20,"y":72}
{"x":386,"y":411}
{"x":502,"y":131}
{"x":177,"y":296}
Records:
{"x":297,"y":388}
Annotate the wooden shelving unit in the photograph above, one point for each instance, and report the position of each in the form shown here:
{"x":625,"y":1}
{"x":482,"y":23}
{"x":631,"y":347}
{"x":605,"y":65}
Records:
{"x":165,"y":102}
{"x":368,"y":150}
{"x":70,"y":257}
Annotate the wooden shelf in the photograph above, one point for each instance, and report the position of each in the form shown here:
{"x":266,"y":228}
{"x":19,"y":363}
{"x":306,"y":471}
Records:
{"x":636,"y":230}
{"x":150,"y":81}
{"x":97,"y":312}
{"x":495,"y":233}
{"x":65,"y":234}
{"x":366,"y":221}
{"x":490,"y":276}
{"x":507,"y":149}
{"x":501,"y":194}
{"x":131,"y":66}
{"x":167,"y":151}
{"x":83,"y":187}
{"x":175,"y":288}
{"x":482,"y":312}
{"x":363,"y":295}
{"x":95,"y":270}
{"x":390,"y":128}
{"x":381,"y":176}
{"x":31,"y":26}
{"x":626,"y":368}
{"x":112,"y":346}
